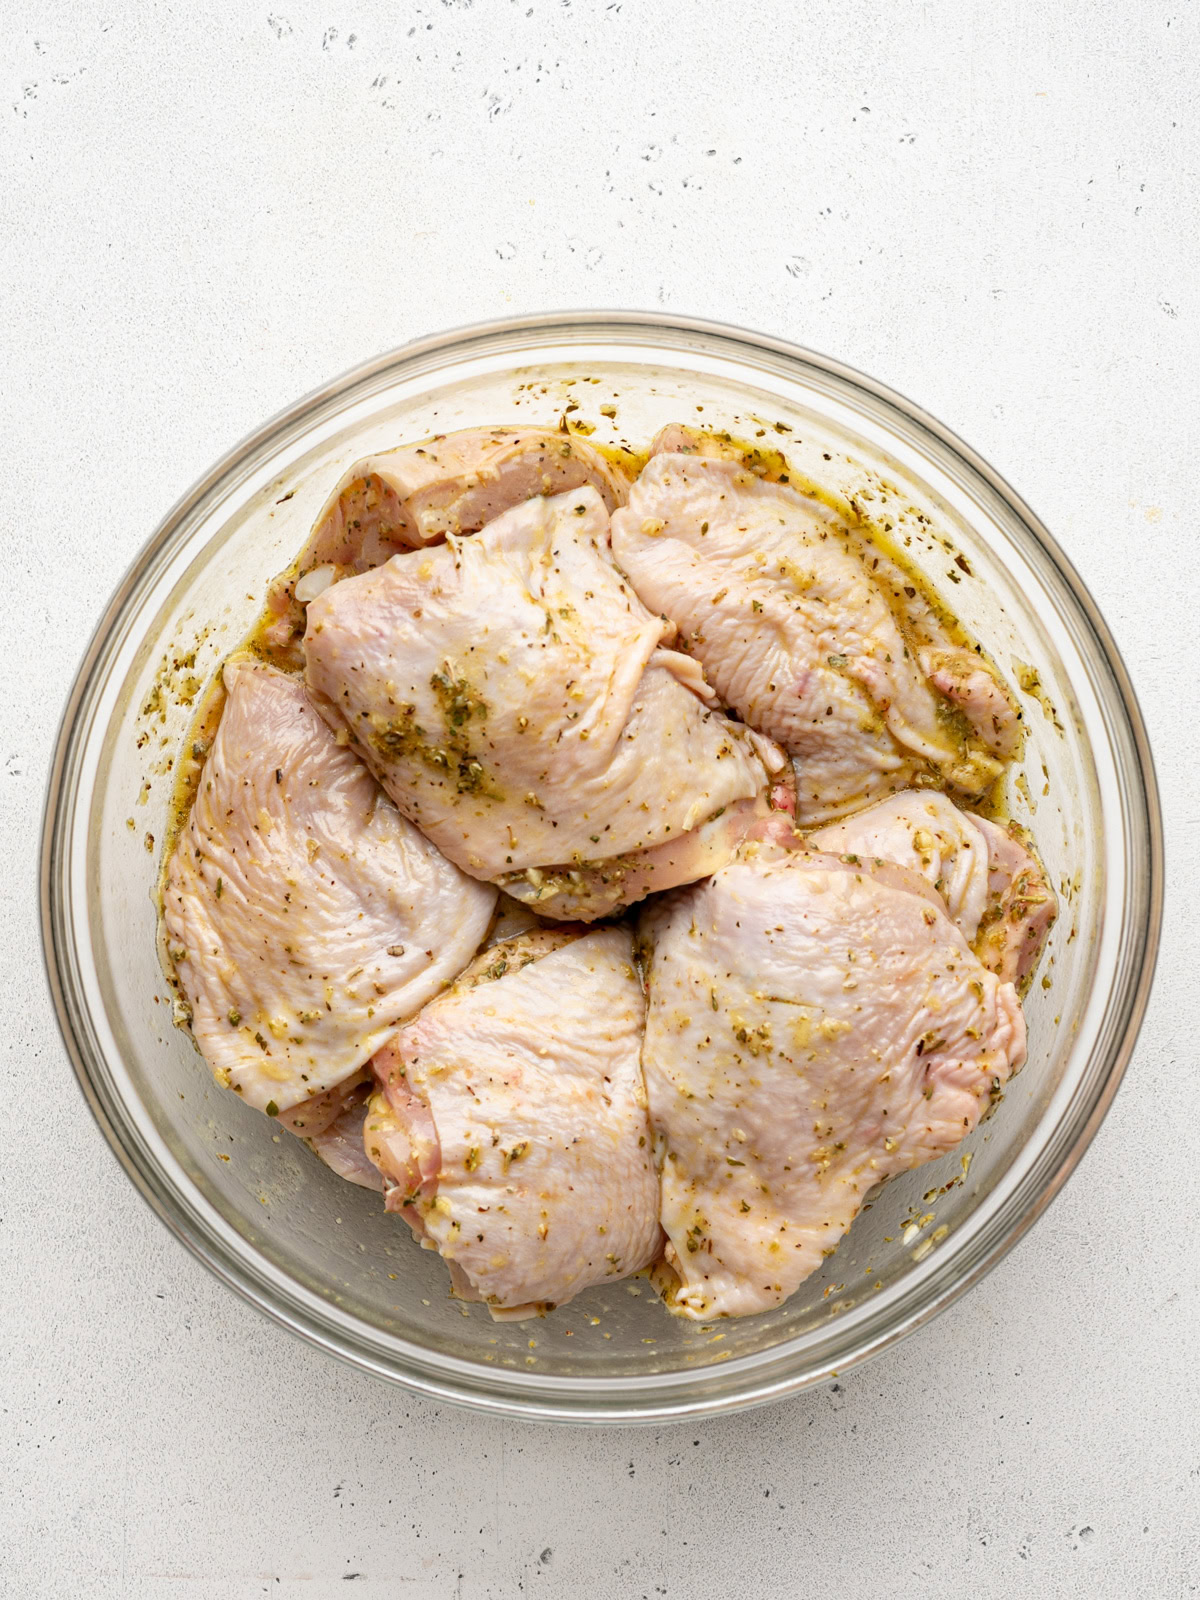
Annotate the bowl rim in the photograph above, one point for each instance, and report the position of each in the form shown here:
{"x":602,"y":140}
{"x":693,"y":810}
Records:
{"x":526,"y":1395}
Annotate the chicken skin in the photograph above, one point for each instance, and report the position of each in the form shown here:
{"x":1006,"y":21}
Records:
{"x":510,"y":1125}
{"x":772,"y":596}
{"x":331,"y":1125}
{"x":994,"y":887}
{"x":813,"y":1028}
{"x":417,"y":494}
{"x":305,"y":917}
{"x":515,"y":699}
{"x":1021,"y":906}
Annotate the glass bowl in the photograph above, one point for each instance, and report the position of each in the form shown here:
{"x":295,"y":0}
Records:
{"x":321,"y":1256}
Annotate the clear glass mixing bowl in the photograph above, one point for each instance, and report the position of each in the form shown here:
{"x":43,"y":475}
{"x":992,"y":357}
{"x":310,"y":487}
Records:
{"x":319,"y":1255}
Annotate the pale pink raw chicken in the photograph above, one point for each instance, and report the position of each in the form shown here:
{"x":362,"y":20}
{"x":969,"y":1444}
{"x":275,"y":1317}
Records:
{"x":772,"y":595}
{"x":925,"y":831}
{"x":813,"y":1028}
{"x":417,"y":494}
{"x":518,"y":703}
{"x":1021,"y":904}
{"x":304,"y":917}
{"x":332,"y":1127}
{"x":958,"y":671}
{"x":510,"y":1125}
{"x":994,"y":887}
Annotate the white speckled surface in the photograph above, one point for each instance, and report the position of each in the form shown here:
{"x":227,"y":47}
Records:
{"x":211,"y":208}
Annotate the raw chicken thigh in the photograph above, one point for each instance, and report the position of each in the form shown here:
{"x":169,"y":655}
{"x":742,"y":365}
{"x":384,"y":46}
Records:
{"x":956,"y":671}
{"x":331,"y":1125}
{"x":514,"y":698}
{"x":926,"y":832}
{"x":340,"y":1147}
{"x":994,"y":888}
{"x":813,"y":1028}
{"x":772,"y":597}
{"x":1021,"y":905}
{"x":305,"y":917}
{"x":417,"y":494}
{"x":511,"y":1129}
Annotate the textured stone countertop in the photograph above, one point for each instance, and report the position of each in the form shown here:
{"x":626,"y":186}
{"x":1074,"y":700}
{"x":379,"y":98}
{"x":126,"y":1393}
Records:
{"x":209,"y":209}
